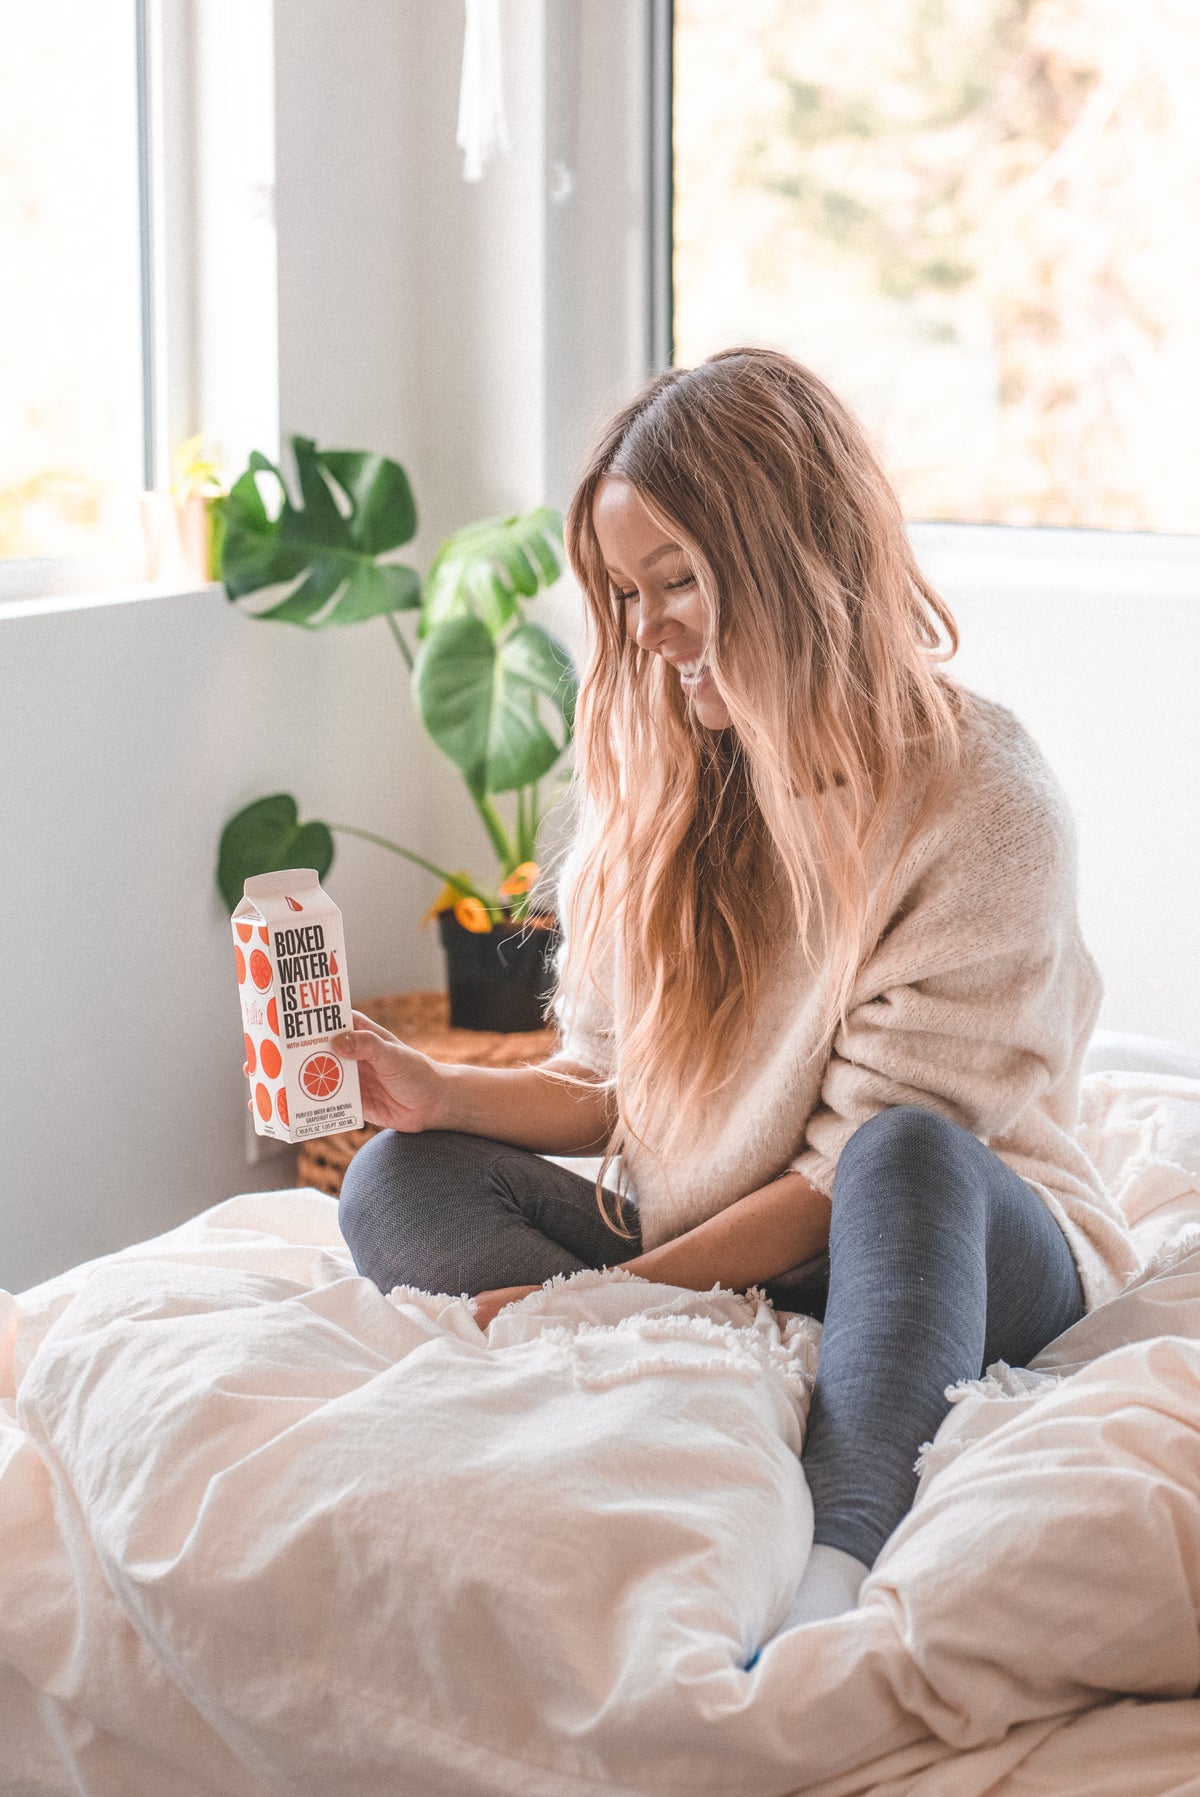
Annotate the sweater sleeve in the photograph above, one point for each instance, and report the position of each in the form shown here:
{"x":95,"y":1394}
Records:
{"x":975,"y":998}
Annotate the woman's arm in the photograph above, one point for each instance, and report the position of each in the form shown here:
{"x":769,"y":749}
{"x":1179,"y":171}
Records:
{"x":756,"y":1238}
{"x":404,"y":1089}
{"x":777,"y":1227}
{"x":520,"y":1105}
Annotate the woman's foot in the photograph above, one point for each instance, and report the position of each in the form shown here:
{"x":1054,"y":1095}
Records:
{"x":829,"y":1587}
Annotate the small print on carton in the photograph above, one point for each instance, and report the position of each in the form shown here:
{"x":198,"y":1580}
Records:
{"x":291,"y":967}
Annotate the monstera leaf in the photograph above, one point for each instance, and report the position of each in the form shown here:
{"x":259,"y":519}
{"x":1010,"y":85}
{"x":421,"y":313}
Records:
{"x":479,"y":700}
{"x":486,"y":569}
{"x":321,"y":562}
{"x":266,"y":837}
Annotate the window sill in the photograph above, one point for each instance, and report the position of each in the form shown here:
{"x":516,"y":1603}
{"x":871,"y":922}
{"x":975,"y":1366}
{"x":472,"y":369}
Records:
{"x":129,"y":593}
{"x":1007,"y":560}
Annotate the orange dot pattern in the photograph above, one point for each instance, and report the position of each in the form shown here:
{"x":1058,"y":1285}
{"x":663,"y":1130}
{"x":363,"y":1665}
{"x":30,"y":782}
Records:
{"x":264,"y":1062}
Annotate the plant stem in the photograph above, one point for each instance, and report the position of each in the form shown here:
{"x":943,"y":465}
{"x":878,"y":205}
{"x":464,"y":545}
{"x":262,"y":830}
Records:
{"x":493,"y":823}
{"x":400,"y":642}
{"x":455,"y":880}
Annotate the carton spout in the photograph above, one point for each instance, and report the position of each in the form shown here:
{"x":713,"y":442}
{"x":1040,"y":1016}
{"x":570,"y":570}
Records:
{"x":279,"y":885}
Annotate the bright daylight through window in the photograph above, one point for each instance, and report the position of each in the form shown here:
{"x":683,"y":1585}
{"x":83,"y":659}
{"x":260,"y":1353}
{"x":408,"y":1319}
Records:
{"x":71,"y":450}
{"x":977,"y":219}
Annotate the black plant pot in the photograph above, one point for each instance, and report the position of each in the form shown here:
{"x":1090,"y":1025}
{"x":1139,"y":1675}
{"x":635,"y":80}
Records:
{"x":499,"y":979}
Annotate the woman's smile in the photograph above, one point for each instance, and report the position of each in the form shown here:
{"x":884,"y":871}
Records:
{"x":652,"y":581}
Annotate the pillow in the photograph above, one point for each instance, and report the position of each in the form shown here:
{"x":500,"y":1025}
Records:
{"x":1110,"y":1051}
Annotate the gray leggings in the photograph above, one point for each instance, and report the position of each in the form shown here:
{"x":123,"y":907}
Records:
{"x":941,"y":1260}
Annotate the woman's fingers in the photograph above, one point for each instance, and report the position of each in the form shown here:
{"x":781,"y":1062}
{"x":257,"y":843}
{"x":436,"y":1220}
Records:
{"x":363,"y":1022}
{"x":401,"y":1087}
{"x":488,"y":1305}
{"x":361,"y":1045}
{"x":374,"y":1098}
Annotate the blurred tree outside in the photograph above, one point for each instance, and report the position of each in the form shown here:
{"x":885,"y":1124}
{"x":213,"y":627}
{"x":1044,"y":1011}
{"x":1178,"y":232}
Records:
{"x":977,"y":220}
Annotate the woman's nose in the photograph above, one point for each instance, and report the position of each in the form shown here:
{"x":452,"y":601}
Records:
{"x":648,"y":630}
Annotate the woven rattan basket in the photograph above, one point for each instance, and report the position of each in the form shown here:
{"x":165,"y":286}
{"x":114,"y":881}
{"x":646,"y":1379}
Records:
{"x":422,"y":1020}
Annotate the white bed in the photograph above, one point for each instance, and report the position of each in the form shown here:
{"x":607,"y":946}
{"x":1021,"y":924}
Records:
{"x":264,"y":1530}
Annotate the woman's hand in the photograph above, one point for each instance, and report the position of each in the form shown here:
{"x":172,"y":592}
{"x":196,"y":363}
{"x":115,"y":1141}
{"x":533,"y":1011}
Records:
{"x":489,"y":1304}
{"x":401,"y":1087}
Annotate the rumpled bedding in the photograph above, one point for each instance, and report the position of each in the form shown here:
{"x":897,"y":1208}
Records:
{"x":263,"y":1529}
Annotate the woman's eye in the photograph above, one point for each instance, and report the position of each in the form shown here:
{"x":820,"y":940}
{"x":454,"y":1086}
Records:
{"x":623,"y":598}
{"x":685,"y":580}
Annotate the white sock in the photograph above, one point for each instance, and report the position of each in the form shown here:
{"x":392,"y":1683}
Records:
{"x":829,"y":1587}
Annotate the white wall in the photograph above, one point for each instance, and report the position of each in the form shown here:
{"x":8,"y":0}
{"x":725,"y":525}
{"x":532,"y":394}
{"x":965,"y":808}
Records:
{"x":1094,"y":640}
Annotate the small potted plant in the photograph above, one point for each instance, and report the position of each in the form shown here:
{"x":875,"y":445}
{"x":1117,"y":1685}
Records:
{"x":195,"y":492}
{"x":494,"y":691}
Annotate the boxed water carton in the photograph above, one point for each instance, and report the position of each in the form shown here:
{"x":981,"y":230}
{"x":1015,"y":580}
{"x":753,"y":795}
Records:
{"x":290,"y":952}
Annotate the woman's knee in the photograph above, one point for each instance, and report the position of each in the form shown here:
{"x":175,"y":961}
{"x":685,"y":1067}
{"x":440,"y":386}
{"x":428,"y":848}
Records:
{"x":925,"y":1152}
{"x":388,"y":1180}
{"x":903,"y":1130}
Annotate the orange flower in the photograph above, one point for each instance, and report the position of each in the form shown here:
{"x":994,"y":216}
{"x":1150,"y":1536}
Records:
{"x":472,"y":915}
{"x":519,"y":880}
{"x":449,"y":895}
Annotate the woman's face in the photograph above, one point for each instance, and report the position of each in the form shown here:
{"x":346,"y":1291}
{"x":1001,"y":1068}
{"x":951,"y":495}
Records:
{"x":654,"y":586}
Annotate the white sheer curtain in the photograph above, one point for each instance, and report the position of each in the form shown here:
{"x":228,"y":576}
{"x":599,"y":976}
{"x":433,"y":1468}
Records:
{"x":482,"y":128}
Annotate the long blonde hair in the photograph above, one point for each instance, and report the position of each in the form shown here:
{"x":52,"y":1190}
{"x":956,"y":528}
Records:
{"x":822,"y":637}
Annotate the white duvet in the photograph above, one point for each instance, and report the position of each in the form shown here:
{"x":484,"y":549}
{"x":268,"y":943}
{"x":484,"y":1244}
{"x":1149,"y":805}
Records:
{"x":265,"y":1530}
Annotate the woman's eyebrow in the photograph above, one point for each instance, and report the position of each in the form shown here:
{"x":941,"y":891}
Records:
{"x":649,"y":560}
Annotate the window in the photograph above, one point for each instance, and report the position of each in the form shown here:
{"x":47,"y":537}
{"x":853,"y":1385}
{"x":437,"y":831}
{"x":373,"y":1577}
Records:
{"x":137,"y":240}
{"x":976,"y":219}
{"x":72,"y":444}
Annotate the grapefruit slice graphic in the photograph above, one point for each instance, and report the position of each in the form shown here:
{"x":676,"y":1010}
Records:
{"x":273,"y":1017}
{"x":248,"y":1069}
{"x":240,"y":958}
{"x":293,"y":904}
{"x":272,"y":1060}
{"x":281,"y":1106}
{"x":262,"y":930}
{"x":321,"y":1075}
{"x":262,"y":1099}
{"x":244,"y":930}
{"x":260,"y":970}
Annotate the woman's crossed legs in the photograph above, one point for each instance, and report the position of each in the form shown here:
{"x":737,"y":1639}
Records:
{"x":941,"y":1260}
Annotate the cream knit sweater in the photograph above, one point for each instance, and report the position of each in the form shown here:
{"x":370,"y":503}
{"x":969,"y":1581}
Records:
{"x":977,"y":1002}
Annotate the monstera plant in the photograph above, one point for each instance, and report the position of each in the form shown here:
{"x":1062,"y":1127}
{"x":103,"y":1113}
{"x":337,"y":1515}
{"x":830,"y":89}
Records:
{"x":494,"y":691}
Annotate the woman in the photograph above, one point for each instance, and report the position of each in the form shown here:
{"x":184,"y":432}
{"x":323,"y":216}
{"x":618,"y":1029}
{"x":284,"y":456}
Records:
{"x":822,"y":982}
